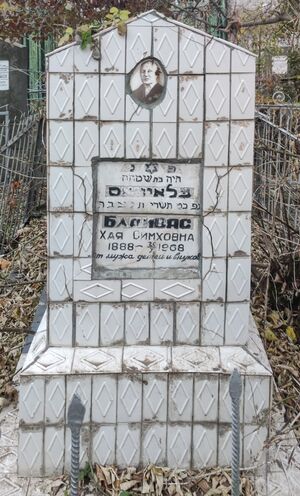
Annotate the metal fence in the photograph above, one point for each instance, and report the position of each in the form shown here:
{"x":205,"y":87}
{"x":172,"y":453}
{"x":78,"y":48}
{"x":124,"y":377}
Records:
{"x":22,"y":173}
{"x":277,"y":167}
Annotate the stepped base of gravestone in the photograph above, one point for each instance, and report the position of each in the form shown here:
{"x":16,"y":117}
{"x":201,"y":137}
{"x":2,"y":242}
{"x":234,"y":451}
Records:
{"x":144,"y":404}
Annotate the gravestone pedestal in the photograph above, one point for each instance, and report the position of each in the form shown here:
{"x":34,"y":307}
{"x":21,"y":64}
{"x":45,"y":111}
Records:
{"x":150,"y":171}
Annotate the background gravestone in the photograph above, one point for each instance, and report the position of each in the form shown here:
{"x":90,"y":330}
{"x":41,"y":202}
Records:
{"x":149,"y":254}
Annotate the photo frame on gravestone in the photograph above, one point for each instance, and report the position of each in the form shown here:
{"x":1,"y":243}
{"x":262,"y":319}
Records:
{"x":147,"y":83}
{"x":147,"y":220}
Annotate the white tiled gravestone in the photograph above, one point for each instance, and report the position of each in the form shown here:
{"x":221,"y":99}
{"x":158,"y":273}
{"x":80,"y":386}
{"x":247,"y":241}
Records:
{"x":149,"y":254}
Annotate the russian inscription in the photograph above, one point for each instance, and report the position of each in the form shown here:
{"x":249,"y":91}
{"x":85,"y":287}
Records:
{"x":146,"y":218}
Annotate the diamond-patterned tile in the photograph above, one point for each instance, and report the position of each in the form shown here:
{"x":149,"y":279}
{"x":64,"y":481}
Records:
{"x":147,"y":359}
{"x":167,"y":110}
{"x":11,"y":485}
{"x":60,"y":188}
{"x":138,"y":44}
{"x":164,"y":140}
{"x":112,"y":98}
{"x":83,"y":233}
{"x":239,"y":234}
{"x":206,"y":398}
{"x":137,"y":290}
{"x":30,"y":458}
{"x":215,"y":182}
{"x":213,"y":273}
{"x":166,"y":47}
{"x":81,"y":386}
{"x":241,"y":143}
{"x":135,"y":112}
{"x":180,"y":398}
{"x":84,"y":60}
{"x":238,"y":280}
{"x":257,"y":399}
{"x":93,"y":291}
{"x":112,"y":140}
{"x":87,"y":324}
{"x":86,"y":96}
{"x":97,"y":361}
{"x":83,"y":190}
{"x":183,"y":290}
{"x":104,"y":399}
{"x":217,"y":97}
{"x":179,"y":446}
{"x":112,"y":52}
{"x":61,"y":234}
{"x":86,"y":142}
{"x":204,"y":446}
{"x":62,"y":60}
{"x":240,"y":184}
{"x":154,"y":444}
{"x":129,"y":445}
{"x":60,"y":279}
{"x":56,"y":360}
{"x":225,"y":403}
{"x":187,"y":323}
{"x":111,"y":324}
{"x":161,"y":324}
{"x":242,"y":96}
{"x":214,"y":235}
{"x":216,"y":144}
{"x":254,"y":440}
{"x":136,"y":324}
{"x":237,"y":357}
{"x":61,"y":96}
{"x":103,"y":450}
{"x":195,"y":359}
{"x":191,"y":98}
{"x":32,"y":404}
{"x":242,"y":61}
{"x":237,"y":323}
{"x":191,"y":52}
{"x":60,"y":324}
{"x":155,"y":398}
{"x":55,"y":400}
{"x":217,"y":57}
{"x":54,"y":449}
{"x":225,"y":445}
{"x":60,"y":142}
{"x":190,"y":140}
{"x":129,"y":399}
{"x":137,"y":140}
{"x":212,"y":328}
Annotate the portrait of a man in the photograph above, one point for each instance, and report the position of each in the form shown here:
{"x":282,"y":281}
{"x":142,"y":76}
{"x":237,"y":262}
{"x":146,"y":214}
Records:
{"x":147,"y":82}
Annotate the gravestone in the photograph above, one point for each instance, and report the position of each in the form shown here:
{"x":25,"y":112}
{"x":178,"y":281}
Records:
{"x":150,"y":153}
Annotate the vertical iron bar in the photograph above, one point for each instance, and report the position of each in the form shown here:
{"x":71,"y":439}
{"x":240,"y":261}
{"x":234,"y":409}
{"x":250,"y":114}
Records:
{"x":76,"y":413}
{"x":235,"y":391}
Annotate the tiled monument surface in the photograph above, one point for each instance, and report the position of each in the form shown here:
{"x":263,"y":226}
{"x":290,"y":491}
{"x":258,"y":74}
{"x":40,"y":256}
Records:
{"x":149,"y":254}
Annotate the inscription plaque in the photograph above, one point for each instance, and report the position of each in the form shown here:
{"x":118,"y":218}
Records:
{"x":146,"y":219}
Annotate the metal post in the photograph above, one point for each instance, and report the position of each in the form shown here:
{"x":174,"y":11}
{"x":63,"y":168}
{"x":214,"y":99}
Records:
{"x":75,"y":418}
{"x":235,"y":391}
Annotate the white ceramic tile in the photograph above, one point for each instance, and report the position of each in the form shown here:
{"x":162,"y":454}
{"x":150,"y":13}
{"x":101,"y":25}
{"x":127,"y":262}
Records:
{"x":60,"y":142}
{"x":129,"y":445}
{"x":86,"y":96}
{"x":214,"y":279}
{"x":216,"y":144}
{"x":191,"y":52}
{"x":84,"y":60}
{"x":60,"y":324}
{"x":242,"y":61}
{"x":111,"y":140}
{"x":60,"y":188}
{"x":239,"y":234}
{"x":111,"y":324}
{"x":54,"y":450}
{"x":30,"y":459}
{"x":204,"y":446}
{"x":217,"y":97}
{"x":83,"y":232}
{"x":81,"y":386}
{"x":257,"y":400}
{"x":190,"y":140}
{"x":225,"y":403}
{"x":215,"y":189}
{"x":57,"y":360}
{"x":112,"y":97}
{"x":97,"y":360}
{"x":135,"y":112}
{"x":55,"y":400}
{"x":217,"y":56}
{"x":206,"y":398}
{"x":180,"y":398}
{"x":179,"y":445}
{"x":103,"y":445}
{"x":138,"y":45}
{"x":254,"y":440}
{"x":241,"y":142}
{"x":212,"y":328}
{"x":84,"y":448}
{"x":136,"y":323}
{"x":112,"y":52}
{"x":147,"y":359}
{"x":187,"y":323}
{"x":60,"y":94}
{"x":214,"y":235}
{"x":31,"y":409}
{"x":225,"y":445}
{"x":237,"y":323}
{"x":161,"y":324}
{"x":8,"y":461}
{"x":237,"y":357}
{"x":155,"y":397}
{"x":61,"y":234}
{"x":154,"y":445}
{"x":129,"y":399}
{"x":82,"y":269}
{"x":87,"y":324}
{"x":60,"y":279}
{"x":137,"y":290}
{"x":166,"y":47}
{"x":137,"y":140}
{"x":164,"y":141}
{"x":93,"y":291}
{"x":104,"y":399}
{"x":167,"y":110}
{"x":242,"y":96}
{"x":62,"y":60}
{"x":238,"y":279}
{"x":86,"y":142}
{"x":240,"y":189}
{"x":173,"y":290}
{"x":191,"y":98}
{"x":195,"y":359}
{"x":83,"y":190}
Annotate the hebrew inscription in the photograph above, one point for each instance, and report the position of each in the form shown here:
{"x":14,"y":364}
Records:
{"x":146,"y":218}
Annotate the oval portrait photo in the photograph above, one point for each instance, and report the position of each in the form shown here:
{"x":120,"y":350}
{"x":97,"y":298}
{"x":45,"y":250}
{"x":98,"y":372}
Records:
{"x":147,"y":83}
